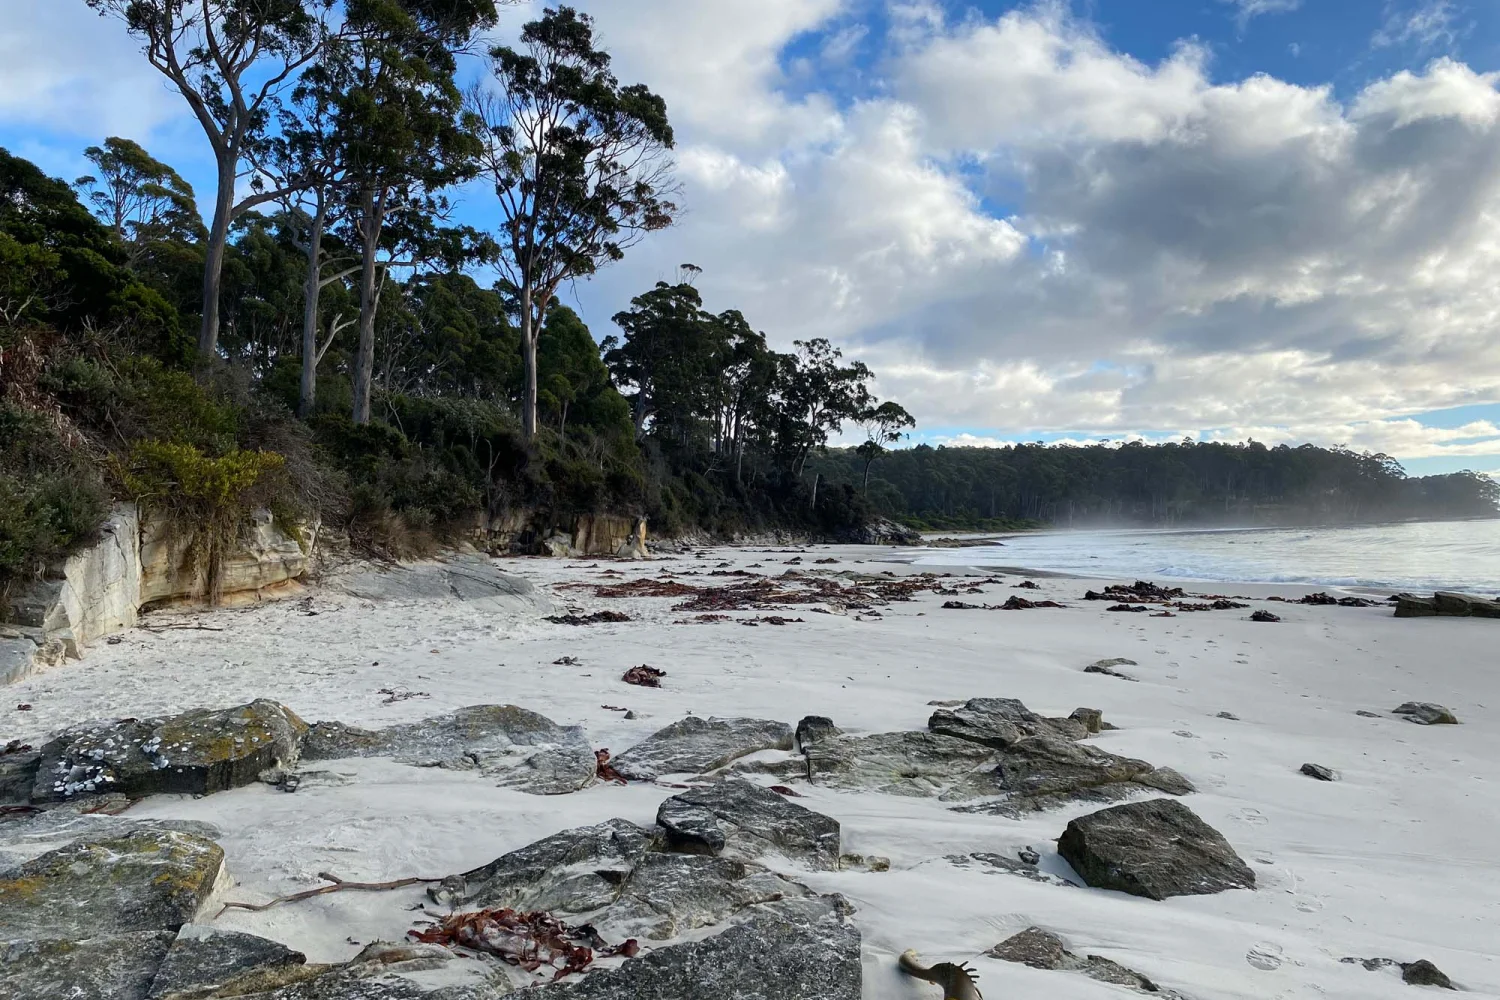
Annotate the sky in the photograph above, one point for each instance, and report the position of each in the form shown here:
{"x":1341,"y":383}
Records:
{"x":1058,"y":221}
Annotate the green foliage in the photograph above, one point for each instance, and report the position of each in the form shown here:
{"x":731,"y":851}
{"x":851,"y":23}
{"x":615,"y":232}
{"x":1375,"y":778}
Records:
{"x":165,"y":473}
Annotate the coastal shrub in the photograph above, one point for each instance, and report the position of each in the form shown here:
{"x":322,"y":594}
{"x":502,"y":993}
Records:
{"x":209,"y":497}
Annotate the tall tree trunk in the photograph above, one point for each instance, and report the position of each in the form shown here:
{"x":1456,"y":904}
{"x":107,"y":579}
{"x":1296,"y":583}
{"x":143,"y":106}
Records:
{"x":866,"y":486}
{"x":364,"y":358}
{"x":528,"y":357}
{"x":308,"y":396}
{"x":213,"y":263}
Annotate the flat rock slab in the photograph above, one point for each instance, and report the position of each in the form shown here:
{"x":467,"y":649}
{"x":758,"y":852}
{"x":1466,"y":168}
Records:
{"x":806,"y":949}
{"x":696,"y":746}
{"x":571,"y":872}
{"x":145,"y":881}
{"x":743,"y":820}
{"x":24,"y":837}
{"x":193,"y":753}
{"x":107,"y":967}
{"x":1157,"y":848}
{"x":1042,"y":949}
{"x":203,"y":959}
{"x":461,"y":578}
{"x":1029,"y":774}
{"x":519,"y":748}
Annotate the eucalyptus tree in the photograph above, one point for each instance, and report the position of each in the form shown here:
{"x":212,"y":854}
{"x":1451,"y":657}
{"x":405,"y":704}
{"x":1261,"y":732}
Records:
{"x":231,"y":60}
{"x":884,"y":425}
{"x":579,"y":165}
{"x":142,"y":199}
{"x":402,"y":142}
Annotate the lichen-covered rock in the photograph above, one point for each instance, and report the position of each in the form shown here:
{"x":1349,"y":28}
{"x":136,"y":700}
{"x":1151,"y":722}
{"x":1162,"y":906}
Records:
{"x":1044,"y":950}
{"x":519,"y":748}
{"x":193,"y":753}
{"x":1425,"y":713}
{"x":668,"y":895}
{"x":743,"y":820}
{"x":695,"y":746}
{"x":106,"y":967}
{"x":26,"y":836}
{"x":1156,"y":848}
{"x":144,"y":881}
{"x":992,"y":722}
{"x":803,"y":949}
{"x":18,"y":774}
{"x":204,"y":959}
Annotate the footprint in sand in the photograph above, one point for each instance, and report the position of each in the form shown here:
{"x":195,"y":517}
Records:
{"x":1264,"y":956}
{"x":1308,"y":904}
{"x":1254,"y":817}
{"x":1218,"y":754}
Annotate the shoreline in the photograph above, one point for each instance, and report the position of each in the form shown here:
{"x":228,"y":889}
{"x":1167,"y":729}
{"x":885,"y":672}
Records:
{"x":1333,"y":883}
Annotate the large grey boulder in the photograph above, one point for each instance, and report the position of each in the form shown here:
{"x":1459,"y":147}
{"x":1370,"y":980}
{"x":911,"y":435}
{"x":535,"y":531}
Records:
{"x":743,"y":820}
{"x":574,"y":871}
{"x":18,"y":769}
{"x":1157,"y":848}
{"x":1042,"y":949}
{"x":519,"y":748}
{"x":695,"y":746}
{"x":24,"y":836}
{"x":193,"y":753}
{"x":143,"y":881}
{"x":107,"y":967}
{"x":203,"y":959}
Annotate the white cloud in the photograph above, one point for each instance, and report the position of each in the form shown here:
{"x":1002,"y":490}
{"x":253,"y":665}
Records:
{"x":66,"y":69}
{"x":1428,"y":25}
{"x":1248,"y":9}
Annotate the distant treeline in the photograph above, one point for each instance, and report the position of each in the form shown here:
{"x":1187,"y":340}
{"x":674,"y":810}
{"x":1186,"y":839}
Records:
{"x":1162,"y":484}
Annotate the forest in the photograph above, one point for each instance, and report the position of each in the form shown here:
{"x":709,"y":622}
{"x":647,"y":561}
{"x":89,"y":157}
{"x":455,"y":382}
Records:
{"x":1187,"y":483}
{"x":319,"y":335}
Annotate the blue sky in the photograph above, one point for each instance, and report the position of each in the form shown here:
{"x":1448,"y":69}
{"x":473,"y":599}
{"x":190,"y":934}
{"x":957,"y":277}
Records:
{"x":1216,"y":218}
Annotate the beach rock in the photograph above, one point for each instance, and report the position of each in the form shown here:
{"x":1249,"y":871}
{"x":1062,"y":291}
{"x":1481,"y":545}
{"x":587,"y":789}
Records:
{"x":574,"y":871}
{"x":519,"y":748}
{"x":1044,"y":950}
{"x":144,"y":881}
{"x":815,"y":727}
{"x":18,"y":769}
{"x":1228,"y":715}
{"x":203,"y":958}
{"x":193,"y":753}
{"x":1041,"y":772}
{"x":1157,"y":849}
{"x":694,"y":746}
{"x":104,"y":967}
{"x":904,"y":763}
{"x":804,"y":949}
{"x":1318,"y":771}
{"x":1264,"y":616}
{"x":1412,"y":606}
{"x":668,"y":895}
{"x":999,"y":722}
{"x":1092,"y":719}
{"x":1425,"y":713}
{"x":743,"y":820}
{"x":1424,"y":973}
{"x":1464,"y":606}
{"x":1107,"y":667}
{"x":459,"y":577}
{"x":1367,"y":714}
{"x":24,"y":836}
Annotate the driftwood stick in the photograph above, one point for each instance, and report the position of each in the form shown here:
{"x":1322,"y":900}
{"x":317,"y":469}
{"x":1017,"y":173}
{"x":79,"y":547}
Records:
{"x":336,"y":884}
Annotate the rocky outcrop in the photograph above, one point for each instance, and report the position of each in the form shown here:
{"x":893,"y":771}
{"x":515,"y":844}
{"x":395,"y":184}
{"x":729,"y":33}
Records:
{"x":518,"y":748}
{"x":1446,"y":604}
{"x":1043,"y":772}
{"x":1000,"y":722}
{"x":203,"y":960}
{"x":1044,"y":950}
{"x":881,"y":531}
{"x":1157,"y":849}
{"x":735,"y":818}
{"x":265,"y":558}
{"x":94,"y":592}
{"x":1426,"y":713}
{"x":696,"y":746}
{"x":193,"y":753}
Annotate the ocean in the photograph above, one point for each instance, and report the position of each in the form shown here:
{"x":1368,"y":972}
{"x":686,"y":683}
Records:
{"x":1417,"y":555}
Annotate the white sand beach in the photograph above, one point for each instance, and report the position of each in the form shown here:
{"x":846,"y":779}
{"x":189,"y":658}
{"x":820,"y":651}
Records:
{"x":1395,"y":859}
